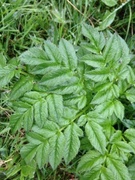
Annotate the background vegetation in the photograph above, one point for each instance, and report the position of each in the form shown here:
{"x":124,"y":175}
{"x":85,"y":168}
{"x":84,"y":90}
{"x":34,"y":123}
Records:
{"x":27,"y":23}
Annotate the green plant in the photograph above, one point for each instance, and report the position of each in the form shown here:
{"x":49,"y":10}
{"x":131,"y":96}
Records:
{"x":74,"y":106}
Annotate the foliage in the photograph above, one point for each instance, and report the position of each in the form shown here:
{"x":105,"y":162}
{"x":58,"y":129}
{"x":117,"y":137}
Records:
{"x":62,"y":96}
{"x":67,"y":90}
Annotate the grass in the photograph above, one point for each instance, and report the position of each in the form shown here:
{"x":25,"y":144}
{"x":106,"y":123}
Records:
{"x":27,"y":23}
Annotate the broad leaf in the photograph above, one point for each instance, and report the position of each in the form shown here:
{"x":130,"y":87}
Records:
{"x":28,"y":119}
{"x":6,"y":74}
{"x":106,"y":174}
{"x":118,"y":168}
{"x":57,"y":77}
{"x":41,"y":112}
{"x":55,"y":106}
{"x":33,"y":56}
{"x":42,"y":154}
{"x":130,"y":94}
{"x":110,"y":2}
{"x":52,"y":52}
{"x":108,"y":19}
{"x":123,"y":146}
{"x":93,"y":60}
{"x":98,"y":74}
{"x":96,"y":136}
{"x":90,"y":160}
{"x":130,"y":134}
{"x":28,"y":152}
{"x":22,"y":86}
{"x":57,"y":143}
{"x":72,"y":143}
{"x":16,"y":122}
{"x":48,"y":130}
{"x":119,"y":109}
{"x":96,"y":38}
{"x":68,"y":54}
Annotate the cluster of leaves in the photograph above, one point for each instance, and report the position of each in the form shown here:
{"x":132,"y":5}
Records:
{"x":69,"y":100}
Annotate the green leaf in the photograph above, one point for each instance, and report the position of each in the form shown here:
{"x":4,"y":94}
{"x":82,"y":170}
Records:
{"x":93,"y":60}
{"x":106,"y":109}
{"x":113,"y":45}
{"x":89,"y":160}
{"x":28,"y":119}
{"x":116,"y":136}
{"x":22,"y":86}
{"x":108,"y":19}
{"x":119,"y":109}
{"x":28,"y":152}
{"x":57,"y":143}
{"x":55,"y":106}
{"x":16,"y":122}
{"x":57,"y":77}
{"x":130,"y":134}
{"x":72,"y":143}
{"x":52,"y":52}
{"x":35,"y":138}
{"x":42,"y":154}
{"x":106,"y":174}
{"x":31,"y":97}
{"x":93,"y":174}
{"x":130,"y":94}
{"x":96,"y":38}
{"x":28,"y":170}
{"x":33,"y":56}
{"x":68,"y":53}
{"x":96,"y":136}
{"x":98,"y":74}
{"x":118,"y":168}
{"x":124,"y":146}
{"x":45,"y":68}
{"x":6,"y":74}
{"x":110,"y":3}
{"x":40,"y":112}
{"x":48,"y":130}
{"x":2,"y":60}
